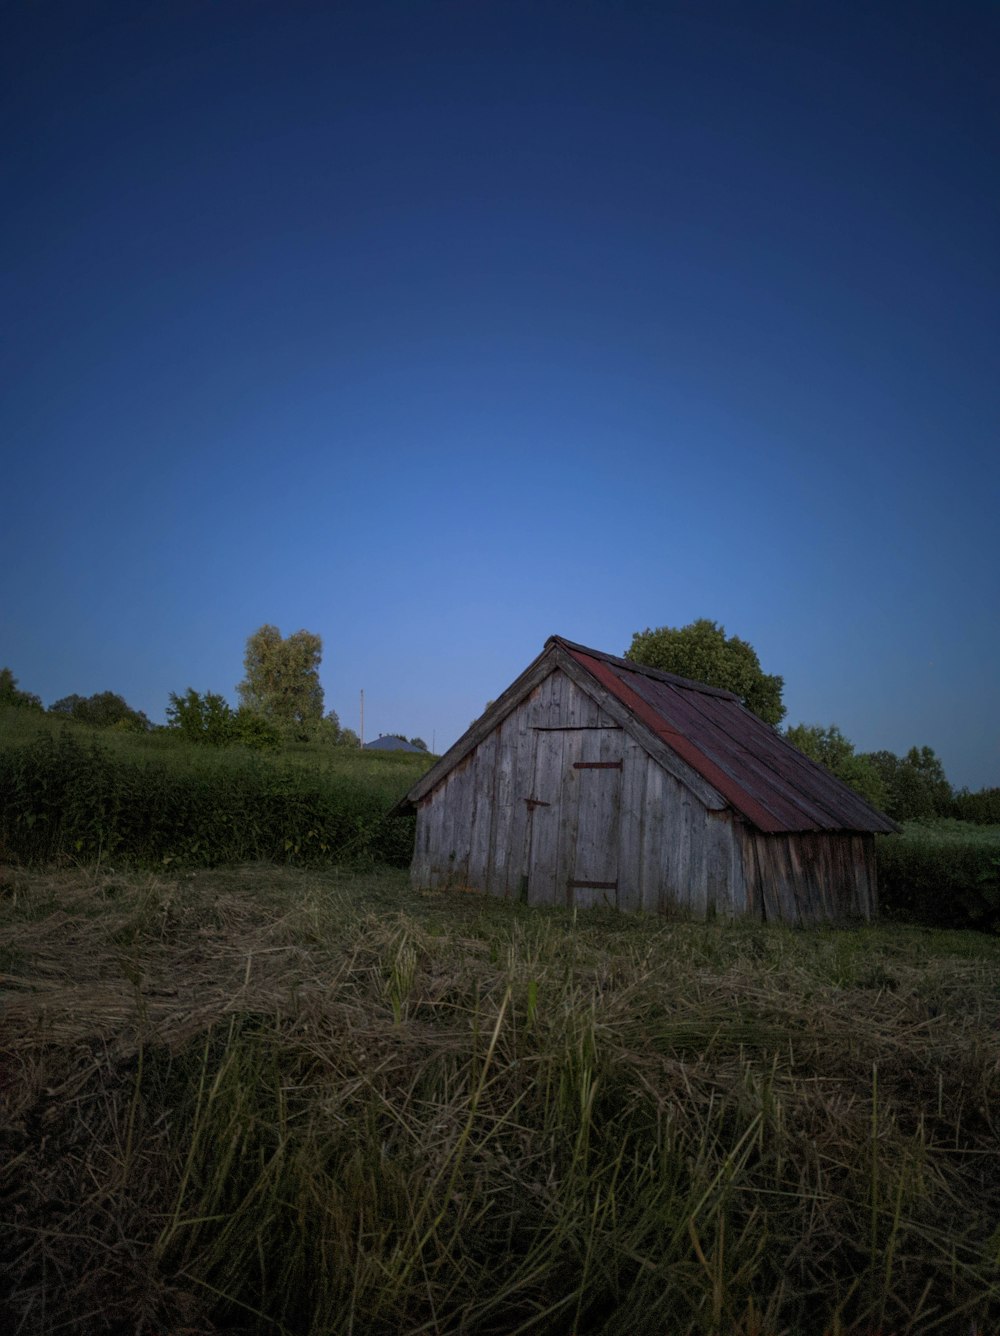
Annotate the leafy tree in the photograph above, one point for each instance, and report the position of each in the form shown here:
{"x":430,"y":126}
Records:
{"x":282,"y":680}
{"x":211,"y":721}
{"x":254,"y":731}
{"x":340,"y":737}
{"x":10,"y":695}
{"x":419,"y":742}
{"x":104,"y":709}
{"x":916,"y":786}
{"x":829,"y":747}
{"x":982,"y":807}
{"x":703,"y":652}
{"x":205,"y":719}
{"x":67,"y":704}
{"x":330,"y":731}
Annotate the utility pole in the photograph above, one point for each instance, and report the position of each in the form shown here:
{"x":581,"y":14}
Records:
{"x":362,"y":716}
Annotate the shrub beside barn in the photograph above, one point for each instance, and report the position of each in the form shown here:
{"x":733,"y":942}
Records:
{"x":593,"y":780}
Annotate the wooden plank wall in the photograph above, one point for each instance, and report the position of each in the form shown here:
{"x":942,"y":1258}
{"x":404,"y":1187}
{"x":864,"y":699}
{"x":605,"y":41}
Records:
{"x":811,"y":877}
{"x":474,"y":828}
{"x":689,"y":858}
{"x":468,"y":825}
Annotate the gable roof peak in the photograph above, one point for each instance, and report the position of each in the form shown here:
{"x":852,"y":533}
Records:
{"x":726,"y":755}
{"x":657,"y":674}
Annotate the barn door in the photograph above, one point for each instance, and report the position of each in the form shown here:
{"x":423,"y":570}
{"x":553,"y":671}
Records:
{"x":574,"y":816}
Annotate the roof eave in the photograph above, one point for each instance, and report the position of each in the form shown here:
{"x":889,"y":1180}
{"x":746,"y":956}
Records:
{"x":536,"y":672}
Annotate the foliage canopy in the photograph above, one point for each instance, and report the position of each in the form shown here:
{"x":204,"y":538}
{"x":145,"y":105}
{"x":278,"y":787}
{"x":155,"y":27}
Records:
{"x":982,"y":807}
{"x":916,"y":786}
{"x":703,"y":652}
{"x":282,"y":679}
{"x":104,"y":709}
{"x":11,"y":695}
{"x":209,"y":720}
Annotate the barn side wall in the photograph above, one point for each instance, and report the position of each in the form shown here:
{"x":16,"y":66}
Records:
{"x":675,"y":853}
{"x":477,"y":829}
{"x":474,"y":828}
{"x":810,"y":877}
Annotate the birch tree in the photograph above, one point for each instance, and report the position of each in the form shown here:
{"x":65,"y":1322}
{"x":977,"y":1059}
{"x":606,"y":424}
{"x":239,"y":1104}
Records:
{"x":282,"y":679}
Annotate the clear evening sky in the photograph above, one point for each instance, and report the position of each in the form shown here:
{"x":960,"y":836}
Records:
{"x":439,"y":328}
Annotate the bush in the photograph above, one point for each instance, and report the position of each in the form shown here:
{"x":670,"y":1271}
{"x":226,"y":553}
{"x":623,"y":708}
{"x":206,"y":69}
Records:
{"x":105,"y":709}
{"x":916,"y":787}
{"x":10,"y":695}
{"x":982,"y":808}
{"x":209,"y":721}
{"x":941,"y":875}
{"x":60,"y":797}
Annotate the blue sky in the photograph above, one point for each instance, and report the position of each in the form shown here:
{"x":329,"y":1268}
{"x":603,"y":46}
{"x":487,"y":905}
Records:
{"x":439,"y":328}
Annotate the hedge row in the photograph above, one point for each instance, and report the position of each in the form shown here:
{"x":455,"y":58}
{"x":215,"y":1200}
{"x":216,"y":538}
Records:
{"x":941,"y":879}
{"x":62,"y":798}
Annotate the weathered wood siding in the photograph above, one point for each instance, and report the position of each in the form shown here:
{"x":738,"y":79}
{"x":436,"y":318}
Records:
{"x":560,"y":804}
{"x":569,"y":791}
{"x":476,"y":827}
{"x":810,"y":877}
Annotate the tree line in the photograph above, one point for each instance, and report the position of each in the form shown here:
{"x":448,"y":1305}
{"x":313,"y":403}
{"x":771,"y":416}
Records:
{"x":281,"y":701}
{"x":104,"y":709}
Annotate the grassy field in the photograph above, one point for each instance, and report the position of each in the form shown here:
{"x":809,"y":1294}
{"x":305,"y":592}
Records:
{"x":389,"y":773}
{"x":290,"y":1101}
{"x":72,"y":793}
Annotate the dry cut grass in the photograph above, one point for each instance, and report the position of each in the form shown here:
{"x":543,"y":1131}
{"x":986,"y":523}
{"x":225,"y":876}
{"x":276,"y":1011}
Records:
{"x":272,"y":1101}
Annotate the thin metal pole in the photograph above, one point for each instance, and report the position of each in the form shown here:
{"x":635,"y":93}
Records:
{"x":362,"y":716}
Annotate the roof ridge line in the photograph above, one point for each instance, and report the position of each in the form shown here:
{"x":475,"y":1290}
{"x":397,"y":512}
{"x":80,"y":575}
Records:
{"x":674,"y":679}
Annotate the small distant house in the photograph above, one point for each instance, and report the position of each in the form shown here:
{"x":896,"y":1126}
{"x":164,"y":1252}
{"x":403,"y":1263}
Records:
{"x":593,"y":780}
{"x":391,"y":742}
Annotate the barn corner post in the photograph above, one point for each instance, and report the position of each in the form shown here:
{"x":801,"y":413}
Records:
{"x":596,"y":781}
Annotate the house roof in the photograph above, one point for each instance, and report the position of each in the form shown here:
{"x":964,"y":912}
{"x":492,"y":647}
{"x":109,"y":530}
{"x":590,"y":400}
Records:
{"x":746,"y":763}
{"x":391,"y":742}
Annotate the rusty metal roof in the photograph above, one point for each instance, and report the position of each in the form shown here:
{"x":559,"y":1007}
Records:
{"x":751,"y":767}
{"x":746,"y":761}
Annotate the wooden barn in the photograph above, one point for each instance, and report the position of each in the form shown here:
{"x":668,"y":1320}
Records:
{"x":593,"y":780}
